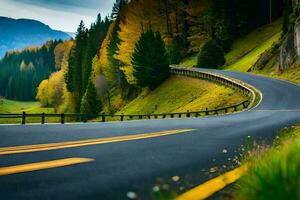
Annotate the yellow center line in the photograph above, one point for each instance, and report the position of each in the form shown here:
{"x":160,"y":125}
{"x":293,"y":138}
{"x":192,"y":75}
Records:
{"x":81,"y":143}
{"x":212,"y":186}
{"x":42,"y":165}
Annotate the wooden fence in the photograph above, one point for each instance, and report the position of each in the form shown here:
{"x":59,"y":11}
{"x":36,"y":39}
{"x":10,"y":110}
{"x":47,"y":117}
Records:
{"x":242,"y":87}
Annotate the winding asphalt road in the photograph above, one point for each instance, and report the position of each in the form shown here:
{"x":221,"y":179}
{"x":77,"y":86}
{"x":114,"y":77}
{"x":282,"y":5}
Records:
{"x":137,"y":165}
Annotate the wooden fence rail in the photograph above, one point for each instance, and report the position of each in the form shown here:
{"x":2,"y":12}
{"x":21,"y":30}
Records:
{"x":121,"y":117}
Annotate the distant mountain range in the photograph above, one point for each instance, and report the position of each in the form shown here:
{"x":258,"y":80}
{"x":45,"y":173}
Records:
{"x":21,"y":33}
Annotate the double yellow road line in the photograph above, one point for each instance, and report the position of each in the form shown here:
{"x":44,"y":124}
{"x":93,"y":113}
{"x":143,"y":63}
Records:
{"x":81,"y":143}
{"x":71,"y":144}
{"x":203,"y":191}
{"x":42,"y":165}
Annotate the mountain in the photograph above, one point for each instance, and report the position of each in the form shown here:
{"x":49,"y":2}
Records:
{"x":21,"y":33}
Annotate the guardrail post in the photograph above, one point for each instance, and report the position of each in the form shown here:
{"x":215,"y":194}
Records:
{"x":43,"y":118}
{"x":206,"y":111}
{"x":188,"y":114}
{"x":103,"y":117}
{"x":179,"y":116}
{"x":140,"y":117}
{"x":122,"y":117}
{"x":172,"y":115}
{"x":155,"y":116}
{"x":84,"y":119}
{"x":23,"y":118}
{"x":62,"y":118}
{"x":235,"y":108}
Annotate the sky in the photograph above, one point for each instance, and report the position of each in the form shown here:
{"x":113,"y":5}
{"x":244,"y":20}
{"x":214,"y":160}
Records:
{"x":62,"y":15}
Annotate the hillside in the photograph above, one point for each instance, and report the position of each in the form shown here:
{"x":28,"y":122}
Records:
{"x":21,"y":33}
{"x":180,"y":94}
{"x":247,"y":50}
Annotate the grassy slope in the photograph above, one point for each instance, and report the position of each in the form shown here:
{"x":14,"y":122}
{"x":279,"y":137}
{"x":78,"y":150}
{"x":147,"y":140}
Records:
{"x":275,"y":174}
{"x":17,"y":107}
{"x":245,"y":51}
{"x":179,"y":94}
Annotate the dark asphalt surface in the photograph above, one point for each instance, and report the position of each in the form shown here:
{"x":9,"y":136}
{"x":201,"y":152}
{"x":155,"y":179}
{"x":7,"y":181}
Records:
{"x":138,"y":165}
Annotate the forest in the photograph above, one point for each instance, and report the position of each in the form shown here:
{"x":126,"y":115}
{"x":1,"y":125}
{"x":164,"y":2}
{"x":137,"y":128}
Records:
{"x":108,"y":64}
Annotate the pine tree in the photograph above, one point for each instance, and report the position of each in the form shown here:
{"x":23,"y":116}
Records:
{"x":90,"y":103}
{"x":150,"y":60}
{"x":74,"y":75}
{"x":175,"y":51}
{"x":211,"y":56}
{"x":118,"y":5}
{"x":288,"y":9}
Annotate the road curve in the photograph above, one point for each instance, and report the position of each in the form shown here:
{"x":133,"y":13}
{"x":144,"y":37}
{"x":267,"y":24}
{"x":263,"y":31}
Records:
{"x":137,"y":165}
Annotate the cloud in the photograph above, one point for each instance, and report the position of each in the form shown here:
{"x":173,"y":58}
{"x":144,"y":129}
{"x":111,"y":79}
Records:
{"x":59,"y":14}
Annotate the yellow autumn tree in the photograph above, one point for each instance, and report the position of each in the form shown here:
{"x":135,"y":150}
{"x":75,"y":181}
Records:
{"x":135,"y":18}
{"x":53,"y":92}
{"x":42,"y":93}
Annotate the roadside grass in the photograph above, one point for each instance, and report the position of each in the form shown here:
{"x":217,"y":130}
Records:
{"x":180,"y":94}
{"x":246,"y":62}
{"x":246,"y":50}
{"x":190,"y":61}
{"x":254,"y":40}
{"x":17,"y":107}
{"x":291,"y":74}
{"x":275,"y":173}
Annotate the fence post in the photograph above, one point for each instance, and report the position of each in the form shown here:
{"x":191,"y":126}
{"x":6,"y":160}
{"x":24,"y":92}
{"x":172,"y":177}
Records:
{"x":235,"y":108}
{"x":23,"y":118}
{"x":188,"y":114}
{"x":103,"y":117}
{"x":62,"y":118}
{"x":206,"y":111}
{"x":85,"y":118}
{"x":43,"y":118}
{"x":122,"y":117}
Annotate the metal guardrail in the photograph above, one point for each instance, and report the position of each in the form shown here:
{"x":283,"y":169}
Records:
{"x":245,"y":89}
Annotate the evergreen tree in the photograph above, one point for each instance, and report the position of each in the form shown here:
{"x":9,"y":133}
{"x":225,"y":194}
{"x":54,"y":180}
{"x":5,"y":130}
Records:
{"x":288,"y":9}
{"x":118,"y":5}
{"x":150,"y":60}
{"x":74,"y":74}
{"x":87,"y":45}
{"x":22,"y":71}
{"x":211,"y":56}
{"x":90,"y":103}
{"x":175,"y":50}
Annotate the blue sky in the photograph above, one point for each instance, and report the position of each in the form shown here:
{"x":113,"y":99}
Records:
{"x":62,"y":15}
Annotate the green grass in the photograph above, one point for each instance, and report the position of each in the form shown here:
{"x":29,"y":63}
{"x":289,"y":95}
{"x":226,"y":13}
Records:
{"x":276,"y":173}
{"x":290,"y":74}
{"x":260,"y":38}
{"x":246,"y":50}
{"x":179,"y":94}
{"x":17,"y":107}
{"x":246,"y":62}
{"x":190,"y":61}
